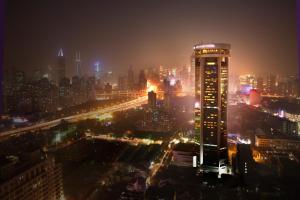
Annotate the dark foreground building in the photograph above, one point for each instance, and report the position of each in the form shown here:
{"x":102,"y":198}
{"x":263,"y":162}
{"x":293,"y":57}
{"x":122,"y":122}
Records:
{"x":36,"y":179}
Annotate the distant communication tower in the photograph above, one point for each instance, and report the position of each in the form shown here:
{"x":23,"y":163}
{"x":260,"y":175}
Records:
{"x":78,"y":64}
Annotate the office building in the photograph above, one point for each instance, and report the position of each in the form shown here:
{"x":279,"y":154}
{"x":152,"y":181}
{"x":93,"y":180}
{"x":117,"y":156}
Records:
{"x":211,"y":88}
{"x":130,"y":78}
{"x":98,"y":71}
{"x":260,"y":84}
{"x":142,"y":80}
{"x":271,"y":84}
{"x":122,"y":83}
{"x":36,"y":180}
{"x":152,"y":99}
{"x":78,"y":64}
{"x":60,"y":69}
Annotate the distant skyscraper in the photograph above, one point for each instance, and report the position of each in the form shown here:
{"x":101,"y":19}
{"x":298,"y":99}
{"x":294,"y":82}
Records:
{"x":97,"y":70}
{"x":211,"y":88}
{"x":122,"y":83}
{"x":260,"y":84}
{"x":152,"y":99}
{"x":60,"y":71}
{"x":130,"y":78}
{"x":167,"y":100}
{"x":271,"y":84}
{"x":19,"y":79}
{"x":142,"y":80}
{"x":78,"y":64}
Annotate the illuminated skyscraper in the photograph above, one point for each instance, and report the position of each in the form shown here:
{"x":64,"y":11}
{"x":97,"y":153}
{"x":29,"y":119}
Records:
{"x":211,"y":88}
{"x":97,"y":70}
{"x":60,"y":71}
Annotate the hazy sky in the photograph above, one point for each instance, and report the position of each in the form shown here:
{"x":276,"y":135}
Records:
{"x":145,"y":33}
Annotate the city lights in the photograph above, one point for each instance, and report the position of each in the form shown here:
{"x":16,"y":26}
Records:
{"x":149,"y":100}
{"x":151,"y":87}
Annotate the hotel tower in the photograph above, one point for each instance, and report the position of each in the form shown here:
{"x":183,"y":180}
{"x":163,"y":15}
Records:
{"x":211,"y":91}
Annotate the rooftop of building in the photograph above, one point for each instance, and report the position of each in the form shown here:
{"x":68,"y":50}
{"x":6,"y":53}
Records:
{"x":278,"y":137}
{"x":212,"y":46}
{"x":187,"y":147}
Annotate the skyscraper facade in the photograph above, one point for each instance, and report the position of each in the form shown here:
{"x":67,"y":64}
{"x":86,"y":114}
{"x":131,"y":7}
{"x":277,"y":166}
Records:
{"x":130,"y":78}
{"x":42,"y":180}
{"x":211,"y":88}
{"x":152,"y":99}
{"x":97,"y":69}
{"x":78,"y":64}
{"x":142,"y":80}
{"x":60,"y":71}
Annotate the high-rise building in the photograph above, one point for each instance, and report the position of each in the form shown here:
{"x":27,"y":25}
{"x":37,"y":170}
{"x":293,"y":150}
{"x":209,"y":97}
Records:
{"x":130,"y":78}
{"x":19,"y":79}
{"x":78,"y":64}
{"x":64,"y":92}
{"x":97,"y":70}
{"x":167,"y":100}
{"x":271,"y":84}
{"x":122,"y":83}
{"x":41,"y":180}
{"x":90,"y":88}
{"x":60,"y":71}
{"x":211,"y":88}
{"x":152,"y":99}
{"x":260,"y":84}
{"x":142,"y":80}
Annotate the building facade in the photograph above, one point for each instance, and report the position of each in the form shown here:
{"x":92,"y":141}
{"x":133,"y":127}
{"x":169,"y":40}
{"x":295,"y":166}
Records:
{"x":60,"y":69}
{"x":211,"y":89}
{"x":40,"y":181}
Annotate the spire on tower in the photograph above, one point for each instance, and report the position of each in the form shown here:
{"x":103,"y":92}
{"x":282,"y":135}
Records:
{"x":60,"y":53}
{"x":77,"y":56}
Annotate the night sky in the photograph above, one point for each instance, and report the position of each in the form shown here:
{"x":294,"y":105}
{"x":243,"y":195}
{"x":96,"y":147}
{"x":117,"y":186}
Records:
{"x":146,"y":33}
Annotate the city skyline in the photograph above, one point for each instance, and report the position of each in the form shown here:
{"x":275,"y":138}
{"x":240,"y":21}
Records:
{"x":142,"y":40}
{"x":159,"y":99}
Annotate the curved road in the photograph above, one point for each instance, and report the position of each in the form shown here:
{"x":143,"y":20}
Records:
{"x":45,"y":125}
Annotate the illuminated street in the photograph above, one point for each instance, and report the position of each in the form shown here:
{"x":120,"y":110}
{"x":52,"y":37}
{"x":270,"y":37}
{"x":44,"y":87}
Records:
{"x":74,"y":118}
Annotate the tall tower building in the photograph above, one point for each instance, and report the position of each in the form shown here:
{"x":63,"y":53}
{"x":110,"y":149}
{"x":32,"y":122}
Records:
{"x":260,"y":84}
{"x":271,"y":83}
{"x":211,"y":88}
{"x":142,"y":80}
{"x":152,"y":99}
{"x":130,"y":78}
{"x":60,"y":71}
{"x":97,"y":70}
{"x":78,"y":64}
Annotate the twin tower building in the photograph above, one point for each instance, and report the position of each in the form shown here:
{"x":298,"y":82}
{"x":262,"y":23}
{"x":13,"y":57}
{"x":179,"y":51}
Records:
{"x":211,"y":91}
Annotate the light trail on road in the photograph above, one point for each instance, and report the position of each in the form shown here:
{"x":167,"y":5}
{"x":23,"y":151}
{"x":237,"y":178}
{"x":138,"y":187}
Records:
{"x":92,"y":114}
{"x":133,"y":141}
